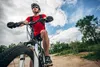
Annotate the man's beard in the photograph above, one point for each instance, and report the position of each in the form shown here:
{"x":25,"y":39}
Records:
{"x":36,"y":12}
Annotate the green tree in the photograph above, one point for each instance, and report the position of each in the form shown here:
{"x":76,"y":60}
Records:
{"x":2,"y":48}
{"x":58,"y":47}
{"x":89,"y":26}
{"x":12,"y":45}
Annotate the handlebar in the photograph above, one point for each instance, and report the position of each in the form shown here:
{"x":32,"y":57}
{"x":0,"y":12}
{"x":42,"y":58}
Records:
{"x":17,"y":24}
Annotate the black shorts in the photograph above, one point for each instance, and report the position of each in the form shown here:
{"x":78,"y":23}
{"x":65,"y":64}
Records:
{"x":38,"y":37}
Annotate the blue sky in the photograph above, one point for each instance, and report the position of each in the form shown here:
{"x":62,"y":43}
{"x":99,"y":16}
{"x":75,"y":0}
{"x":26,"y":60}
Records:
{"x":65,"y":13}
{"x":69,"y":9}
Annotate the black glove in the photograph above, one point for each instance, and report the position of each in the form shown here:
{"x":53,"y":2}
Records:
{"x":49,"y":19}
{"x":42,"y":20}
{"x":12,"y":25}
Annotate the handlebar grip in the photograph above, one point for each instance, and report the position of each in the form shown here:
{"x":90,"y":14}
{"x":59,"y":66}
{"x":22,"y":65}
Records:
{"x":10,"y":24}
{"x":13,"y":25}
{"x":49,"y":19}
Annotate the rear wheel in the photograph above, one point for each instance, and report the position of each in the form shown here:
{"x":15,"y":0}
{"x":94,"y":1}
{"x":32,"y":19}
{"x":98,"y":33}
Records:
{"x":9,"y":55}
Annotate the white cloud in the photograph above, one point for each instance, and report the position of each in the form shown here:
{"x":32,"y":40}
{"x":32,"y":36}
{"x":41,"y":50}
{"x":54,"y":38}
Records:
{"x":59,"y":19}
{"x":14,"y":36}
{"x":79,"y":14}
{"x":22,"y":9}
{"x":52,"y":7}
{"x":98,"y":8}
{"x":72,"y":34}
{"x":19,"y":11}
{"x":72,"y":2}
{"x":58,"y":31}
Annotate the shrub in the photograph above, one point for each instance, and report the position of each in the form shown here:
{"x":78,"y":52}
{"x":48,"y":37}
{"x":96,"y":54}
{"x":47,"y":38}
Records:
{"x":58,"y":47}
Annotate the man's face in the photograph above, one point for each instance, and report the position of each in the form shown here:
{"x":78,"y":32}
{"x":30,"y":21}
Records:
{"x":35,"y":10}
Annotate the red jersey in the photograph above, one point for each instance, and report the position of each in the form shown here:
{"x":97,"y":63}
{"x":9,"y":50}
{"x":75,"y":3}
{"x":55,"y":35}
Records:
{"x":38,"y":26}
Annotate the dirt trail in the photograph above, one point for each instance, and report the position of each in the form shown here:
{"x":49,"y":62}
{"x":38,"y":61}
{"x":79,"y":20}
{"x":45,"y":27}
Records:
{"x":72,"y":61}
{"x":64,"y":61}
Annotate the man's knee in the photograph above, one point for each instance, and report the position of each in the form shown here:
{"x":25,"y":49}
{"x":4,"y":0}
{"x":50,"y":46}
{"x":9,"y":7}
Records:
{"x":44,"y":32}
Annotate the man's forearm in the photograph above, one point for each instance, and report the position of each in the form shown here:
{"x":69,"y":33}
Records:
{"x":22,"y":23}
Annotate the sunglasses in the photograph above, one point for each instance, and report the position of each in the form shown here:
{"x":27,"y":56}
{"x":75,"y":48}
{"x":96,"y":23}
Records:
{"x":35,"y":7}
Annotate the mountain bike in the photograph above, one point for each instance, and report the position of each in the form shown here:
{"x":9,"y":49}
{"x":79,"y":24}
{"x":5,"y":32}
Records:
{"x":33,"y":48}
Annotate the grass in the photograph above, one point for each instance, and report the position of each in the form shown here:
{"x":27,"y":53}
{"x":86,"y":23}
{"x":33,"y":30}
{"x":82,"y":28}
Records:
{"x":92,"y":56}
{"x":65,"y":52}
{"x":86,"y":51}
{"x":86,"y":55}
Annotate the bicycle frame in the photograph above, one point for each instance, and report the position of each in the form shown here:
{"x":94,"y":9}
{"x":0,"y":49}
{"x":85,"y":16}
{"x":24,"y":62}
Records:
{"x":37,"y":49}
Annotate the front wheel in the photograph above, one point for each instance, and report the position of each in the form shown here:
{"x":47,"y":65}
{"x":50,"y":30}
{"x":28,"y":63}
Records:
{"x":9,"y":55}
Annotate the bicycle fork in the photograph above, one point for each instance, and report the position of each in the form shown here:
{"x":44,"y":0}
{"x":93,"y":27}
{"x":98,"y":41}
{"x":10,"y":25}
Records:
{"x":22,"y":61}
{"x":36,"y":52}
{"x":36,"y":61}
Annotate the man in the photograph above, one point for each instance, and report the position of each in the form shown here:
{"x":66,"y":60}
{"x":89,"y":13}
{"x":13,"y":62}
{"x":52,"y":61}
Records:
{"x":39,"y":30}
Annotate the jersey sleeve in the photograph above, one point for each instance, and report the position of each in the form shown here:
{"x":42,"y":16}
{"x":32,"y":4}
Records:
{"x":28,"y":19}
{"x":43,"y":15}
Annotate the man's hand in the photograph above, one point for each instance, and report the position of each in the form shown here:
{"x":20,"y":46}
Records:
{"x":49,"y":19}
{"x":13,"y":25}
{"x":46,"y":19}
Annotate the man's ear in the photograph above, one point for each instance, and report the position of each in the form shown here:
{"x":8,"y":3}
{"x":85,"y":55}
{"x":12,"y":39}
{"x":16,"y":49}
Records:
{"x":39,"y":11}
